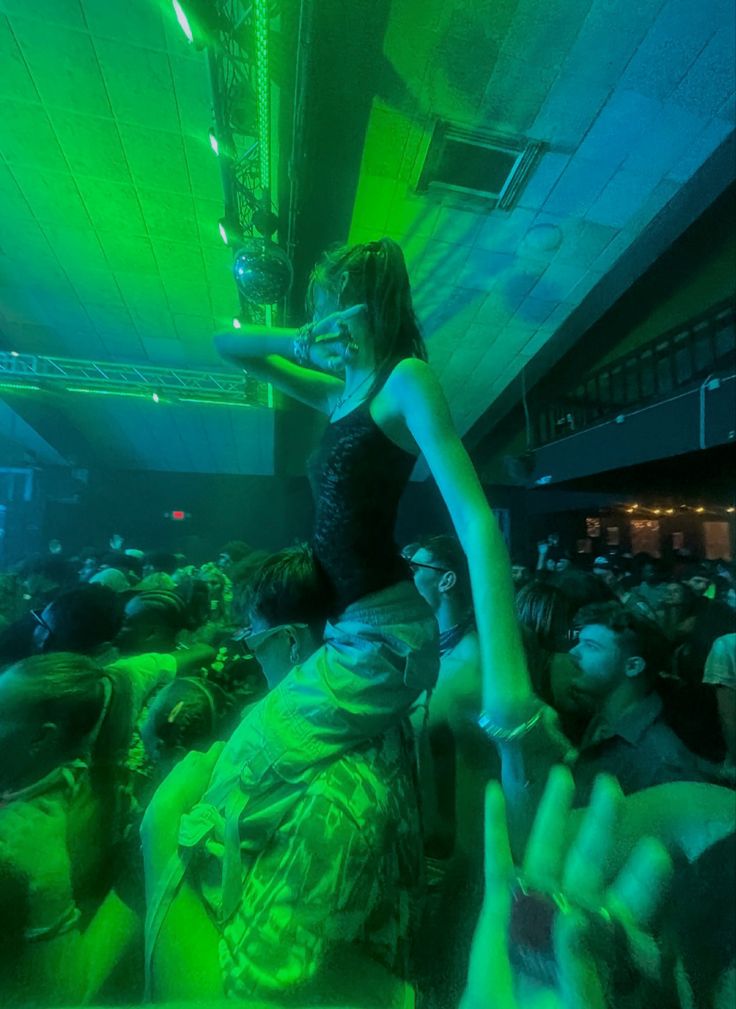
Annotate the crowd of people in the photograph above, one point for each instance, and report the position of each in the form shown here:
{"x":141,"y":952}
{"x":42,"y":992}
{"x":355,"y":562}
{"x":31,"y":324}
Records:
{"x":350,"y":774}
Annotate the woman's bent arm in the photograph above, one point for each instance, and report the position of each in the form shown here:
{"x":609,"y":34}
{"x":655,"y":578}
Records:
{"x":266,"y":352}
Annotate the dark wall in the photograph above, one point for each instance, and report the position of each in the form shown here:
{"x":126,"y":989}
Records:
{"x":83,"y":508}
{"x":267,"y":512}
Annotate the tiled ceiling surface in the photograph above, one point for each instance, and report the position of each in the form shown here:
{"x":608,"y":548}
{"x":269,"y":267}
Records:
{"x":110,"y":192}
{"x":110,"y":195}
{"x":109,"y":247}
{"x":630,"y":101}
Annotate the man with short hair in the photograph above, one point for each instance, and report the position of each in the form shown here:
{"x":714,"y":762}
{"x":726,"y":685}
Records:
{"x":324,"y":905}
{"x":441,"y":576}
{"x":84,"y":620}
{"x":618,"y":657}
{"x":455,"y":764}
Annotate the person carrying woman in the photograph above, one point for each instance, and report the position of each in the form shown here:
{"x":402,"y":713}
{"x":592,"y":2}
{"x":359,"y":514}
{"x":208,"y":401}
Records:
{"x":361,"y":362}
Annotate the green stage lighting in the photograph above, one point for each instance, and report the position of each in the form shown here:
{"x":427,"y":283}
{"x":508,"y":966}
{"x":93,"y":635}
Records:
{"x":230,"y":232}
{"x":183,"y":20}
{"x":199,"y":20}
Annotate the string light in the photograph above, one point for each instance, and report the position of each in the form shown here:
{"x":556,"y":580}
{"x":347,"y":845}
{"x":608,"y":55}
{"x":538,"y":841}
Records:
{"x":631,"y":509}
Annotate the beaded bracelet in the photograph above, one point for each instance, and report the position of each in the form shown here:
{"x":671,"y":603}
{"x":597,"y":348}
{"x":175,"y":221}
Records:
{"x":498,"y":734}
{"x":303,"y":343}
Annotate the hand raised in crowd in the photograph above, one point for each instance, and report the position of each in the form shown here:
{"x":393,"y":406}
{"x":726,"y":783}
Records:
{"x":563,"y":928}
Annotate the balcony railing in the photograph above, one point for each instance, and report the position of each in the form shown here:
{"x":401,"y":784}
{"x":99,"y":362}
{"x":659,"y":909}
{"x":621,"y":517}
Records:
{"x":675,"y":361}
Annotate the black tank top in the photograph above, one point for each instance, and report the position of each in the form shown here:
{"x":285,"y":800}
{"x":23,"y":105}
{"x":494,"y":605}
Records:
{"x":358,"y":476}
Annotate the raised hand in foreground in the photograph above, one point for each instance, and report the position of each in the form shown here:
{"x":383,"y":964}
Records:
{"x":547,"y":938}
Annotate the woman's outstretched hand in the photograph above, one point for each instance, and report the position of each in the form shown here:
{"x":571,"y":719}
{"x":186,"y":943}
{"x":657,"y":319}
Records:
{"x":575,"y":882}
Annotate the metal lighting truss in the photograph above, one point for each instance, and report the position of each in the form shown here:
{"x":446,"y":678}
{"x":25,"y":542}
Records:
{"x":238,"y":62}
{"x":27,"y":371}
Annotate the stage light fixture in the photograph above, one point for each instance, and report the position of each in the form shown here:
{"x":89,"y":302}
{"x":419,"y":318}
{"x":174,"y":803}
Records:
{"x":265,"y":221}
{"x":214,"y":143}
{"x":230,"y":232}
{"x":262,"y":271}
{"x":156,"y":398}
{"x":200,"y":21}
{"x":237,"y":324}
{"x":183,"y":20}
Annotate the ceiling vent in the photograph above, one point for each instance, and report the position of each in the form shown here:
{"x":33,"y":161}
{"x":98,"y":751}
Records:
{"x":476,"y":166}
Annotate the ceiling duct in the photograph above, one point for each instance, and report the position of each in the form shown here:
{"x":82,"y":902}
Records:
{"x":477,"y":166}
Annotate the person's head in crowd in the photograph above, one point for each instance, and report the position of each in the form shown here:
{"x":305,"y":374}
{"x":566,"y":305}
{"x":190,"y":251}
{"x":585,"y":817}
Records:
{"x":546,"y":613}
{"x":43,"y":577}
{"x":159,"y":561}
{"x":679,"y":595}
{"x":563,"y":562}
{"x":581,"y":587}
{"x":726,"y":593}
{"x":241,"y":571}
{"x":698,"y":578}
{"x":55,"y":548}
{"x":186,"y":715}
{"x":604,"y":569}
{"x":219,"y":588}
{"x":440,"y":571}
{"x":196,"y":594}
{"x":619,"y":656}
{"x":84,"y":620}
{"x":156,"y":580}
{"x":116,"y":542}
{"x":287,"y":605}
{"x":647,"y":569}
{"x":520,"y":573}
{"x":132,"y":565}
{"x":112,"y":578}
{"x":232,"y":553}
{"x":725,"y":569}
{"x":89,"y":561}
{"x":55,"y":708}
{"x":152,"y":619}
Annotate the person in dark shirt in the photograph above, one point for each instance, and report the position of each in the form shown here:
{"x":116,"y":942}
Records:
{"x":618,"y":657}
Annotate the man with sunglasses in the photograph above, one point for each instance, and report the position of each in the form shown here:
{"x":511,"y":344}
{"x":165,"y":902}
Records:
{"x":454,"y":762}
{"x":327,"y":903}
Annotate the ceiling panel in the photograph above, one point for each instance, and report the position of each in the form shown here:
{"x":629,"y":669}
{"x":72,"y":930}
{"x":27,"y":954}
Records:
{"x":110,"y":193}
{"x":629,"y":101}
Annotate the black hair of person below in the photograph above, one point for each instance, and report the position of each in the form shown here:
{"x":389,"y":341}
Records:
{"x":703,"y":916}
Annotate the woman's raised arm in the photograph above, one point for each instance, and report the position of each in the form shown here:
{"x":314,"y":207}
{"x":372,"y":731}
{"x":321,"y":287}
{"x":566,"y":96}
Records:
{"x":507,"y":691}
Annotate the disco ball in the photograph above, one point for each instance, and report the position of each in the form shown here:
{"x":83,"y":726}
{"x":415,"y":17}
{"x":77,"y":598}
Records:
{"x":262,"y":272}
